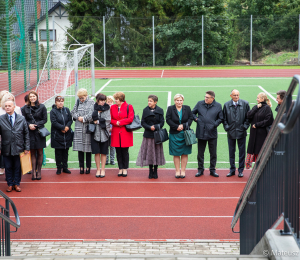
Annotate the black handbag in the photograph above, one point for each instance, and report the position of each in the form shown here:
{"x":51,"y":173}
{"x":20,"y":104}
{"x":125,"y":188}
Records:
{"x":90,"y":128}
{"x":136,"y":123}
{"x":189,"y":136}
{"x":42,"y":131}
{"x":161,"y":135}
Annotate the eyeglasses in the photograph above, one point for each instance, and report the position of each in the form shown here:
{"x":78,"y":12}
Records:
{"x":207,"y":97}
{"x":59,"y":98}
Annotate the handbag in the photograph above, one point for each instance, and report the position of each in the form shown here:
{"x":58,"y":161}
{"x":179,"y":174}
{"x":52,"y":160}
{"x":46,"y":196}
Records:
{"x":136,"y":123}
{"x":42,"y":131}
{"x":90,"y":128}
{"x":161,"y":135}
{"x":189,"y":136}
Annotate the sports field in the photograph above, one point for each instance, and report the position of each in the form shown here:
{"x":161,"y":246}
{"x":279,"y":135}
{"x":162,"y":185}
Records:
{"x":193,"y":89}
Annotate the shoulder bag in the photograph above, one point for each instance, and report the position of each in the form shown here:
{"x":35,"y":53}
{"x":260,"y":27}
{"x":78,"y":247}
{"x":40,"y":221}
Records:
{"x":90,"y":128}
{"x":77,"y":104}
{"x":42,"y":131}
{"x":136,"y":123}
{"x":189,"y":135}
{"x":161,"y":135}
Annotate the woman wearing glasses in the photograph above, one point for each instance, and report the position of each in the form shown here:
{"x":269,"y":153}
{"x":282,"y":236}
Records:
{"x":82,"y":111}
{"x":61,"y":133}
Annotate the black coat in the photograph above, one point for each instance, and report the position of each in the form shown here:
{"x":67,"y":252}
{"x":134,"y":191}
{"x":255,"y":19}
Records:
{"x":14,"y":140}
{"x":150,"y":118}
{"x":36,"y":115}
{"x":209,"y":118}
{"x":235,"y":121}
{"x":172,"y":118}
{"x":60,"y":118}
{"x":262,"y":118}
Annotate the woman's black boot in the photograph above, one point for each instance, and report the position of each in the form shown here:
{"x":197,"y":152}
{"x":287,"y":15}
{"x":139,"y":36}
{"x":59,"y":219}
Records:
{"x":150,"y":171}
{"x":155,"y":176}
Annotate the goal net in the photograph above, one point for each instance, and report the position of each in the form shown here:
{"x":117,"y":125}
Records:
{"x":66,"y":71}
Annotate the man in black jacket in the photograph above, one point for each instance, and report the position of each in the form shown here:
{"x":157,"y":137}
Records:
{"x":236,"y":125}
{"x":14,"y":140}
{"x":280,"y":96}
{"x":210,"y":116}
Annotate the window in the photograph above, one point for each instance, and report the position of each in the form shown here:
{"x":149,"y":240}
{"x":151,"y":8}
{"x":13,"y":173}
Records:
{"x":43,"y":35}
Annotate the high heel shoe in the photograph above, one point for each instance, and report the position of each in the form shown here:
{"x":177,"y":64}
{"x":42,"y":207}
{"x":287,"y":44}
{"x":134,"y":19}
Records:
{"x":98,"y":174}
{"x":81,"y":171}
{"x":102,"y":176}
{"x":125,"y":175}
{"x":177,"y":176}
{"x":120,"y":173}
{"x":88,"y":171}
{"x":182,"y":175}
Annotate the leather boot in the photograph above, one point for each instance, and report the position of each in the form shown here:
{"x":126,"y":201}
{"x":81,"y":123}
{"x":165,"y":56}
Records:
{"x":150,"y":171}
{"x":155,"y":176}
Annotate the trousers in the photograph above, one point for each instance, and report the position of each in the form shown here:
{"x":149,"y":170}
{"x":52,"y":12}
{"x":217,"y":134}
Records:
{"x":12,"y":166}
{"x":212,"y":146}
{"x":242,"y":152}
{"x":88,"y":159}
{"x":123,"y":157}
{"x":61,"y":158}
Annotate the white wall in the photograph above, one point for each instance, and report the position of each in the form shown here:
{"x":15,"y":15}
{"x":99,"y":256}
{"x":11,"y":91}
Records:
{"x":61,"y":36}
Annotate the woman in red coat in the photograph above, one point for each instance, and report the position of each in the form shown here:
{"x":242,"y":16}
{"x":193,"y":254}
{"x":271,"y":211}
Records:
{"x":122,"y":114}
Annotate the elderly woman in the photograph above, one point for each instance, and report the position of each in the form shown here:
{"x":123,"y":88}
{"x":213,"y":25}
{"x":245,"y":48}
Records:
{"x":177,"y":117}
{"x":82,"y":111}
{"x":151,"y":154}
{"x":122,"y":114}
{"x":99,"y":139}
{"x":61,"y":133}
{"x":36,"y":117}
{"x":261,"y":118}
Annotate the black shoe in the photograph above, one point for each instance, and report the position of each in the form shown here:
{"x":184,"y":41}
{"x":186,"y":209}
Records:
{"x":88,"y":171}
{"x":58,"y":171}
{"x":199,"y":174}
{"x":66,"y":170}
{"x":32,"y":178}
{"x":230,"y":174}
{"x":214,"y":174}
{"x":155,"y":176}
{"x":241,"y":174}
{"x":81,"y":171}
{"x":120,"y":174}
{"x":182,"y":177}
{"x":106,"y":163}
{"x":150,"y":173}
{"x":38,"y":178}
{"x":112,"y":163}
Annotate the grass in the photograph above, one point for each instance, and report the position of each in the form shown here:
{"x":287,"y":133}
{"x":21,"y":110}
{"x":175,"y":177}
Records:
{"x":280,"y":58}
{"x":193,"y":89}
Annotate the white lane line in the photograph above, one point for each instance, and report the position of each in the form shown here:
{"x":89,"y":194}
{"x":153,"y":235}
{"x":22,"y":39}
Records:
{"x":50,"y":160}
{"x":130,"y":182}
{"x":212,"y":198}
{"x":267,"y":93}
{"x":133,"y":91}
{"x":162,"y":73}
{"x":125,"y":216}
{"x":153,"y":240}
{"x":156,"y":86}
{"x":169,"y":98}
{"x":103,"y":87}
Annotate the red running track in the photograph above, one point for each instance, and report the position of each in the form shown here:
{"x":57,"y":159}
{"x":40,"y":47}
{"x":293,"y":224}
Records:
{"x":83,"y":207}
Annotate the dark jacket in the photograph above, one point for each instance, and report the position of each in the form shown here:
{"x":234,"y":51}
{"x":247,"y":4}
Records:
{"x":150,"y":118}
{"x":172,"y":118}
{"x":36,"y":115}
{"x":209,"y":118}
{"x":14,"y":140}
{"x":277,"y":108}
{"x":60,"y":118}
{"x":261,"y":118}
{"x":235,"y":121}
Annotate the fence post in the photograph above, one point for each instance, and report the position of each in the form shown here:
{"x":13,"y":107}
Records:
{"x":202,"y":40}
{"x":251,"y":40}
{"x":153,"y":41}
{"x":47,"y":31}
{"x":7,"y":230}
{"x":24,"y":46}
{"x":8,"y":44}
{"x":76,"y":73}
{"x":53,"y":33}
{"x":104,"y":43}
{"x":93,"y":70}
{"x":36,"y":43}
{"x":299,"y":42}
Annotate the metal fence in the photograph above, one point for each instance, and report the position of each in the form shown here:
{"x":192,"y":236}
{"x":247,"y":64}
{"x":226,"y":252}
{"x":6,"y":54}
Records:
{"x":272,"y":191}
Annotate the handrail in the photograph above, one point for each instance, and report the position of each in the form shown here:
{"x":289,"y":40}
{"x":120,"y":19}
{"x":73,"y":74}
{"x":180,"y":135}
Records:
{"x":16,"y":224}
{"x":268,"y":145}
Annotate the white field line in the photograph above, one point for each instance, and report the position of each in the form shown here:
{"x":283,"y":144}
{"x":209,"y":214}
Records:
{"x":169,"y":98}
{"x":231,"y":86}
{"x":125,"y":216}
{"x":103,"y":87}
{"x":48,"y":142}
{"x":162,"y":73}
{"x":131,"y":182}
{"x":267,"y":93}
{"x":212,"y":198}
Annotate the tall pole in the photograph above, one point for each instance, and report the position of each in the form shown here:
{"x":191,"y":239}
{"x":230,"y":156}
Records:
{"x":36,"y":43}
{"x":47,"y":31}
{"x":76,"y":73}
{"x":104,"y":43}
{"x":24,"y":46}
{"x":153,"y":41}
{"x":93,"y":70}
{"x":202,"y":40}
{"x":53,"y":34}
{"x":8,"y":44}
{"x":251,"y":40}
{"x":299,"y":42}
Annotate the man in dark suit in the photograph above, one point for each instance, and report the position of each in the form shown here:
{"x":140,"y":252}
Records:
{"x":280,"y":96}
{"x":236,"y":125}
{"x":209,"y":117}
{"x":14,"y":140}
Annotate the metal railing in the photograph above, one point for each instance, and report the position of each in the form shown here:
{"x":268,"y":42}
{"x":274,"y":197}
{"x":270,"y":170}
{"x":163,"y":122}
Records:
{"x":272,"y":190}
{"x":5,"y":224}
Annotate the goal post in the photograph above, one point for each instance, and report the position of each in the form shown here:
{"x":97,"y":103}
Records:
{"x":65,"y":72}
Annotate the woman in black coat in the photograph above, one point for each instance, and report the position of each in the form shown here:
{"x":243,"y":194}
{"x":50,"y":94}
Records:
{"x":178,"y":116}
{"x":261,"y":118}
{"x":61,"y":133}
{"x":36,"y":117}
{"x":151,"y":154}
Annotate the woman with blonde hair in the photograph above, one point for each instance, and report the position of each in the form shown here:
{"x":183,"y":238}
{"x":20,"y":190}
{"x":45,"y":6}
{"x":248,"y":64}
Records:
{"x":261,"y":118}
{"x":6,"y":97}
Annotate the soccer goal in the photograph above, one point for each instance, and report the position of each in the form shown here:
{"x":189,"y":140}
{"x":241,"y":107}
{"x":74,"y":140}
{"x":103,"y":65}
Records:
{"x":66,"y":71}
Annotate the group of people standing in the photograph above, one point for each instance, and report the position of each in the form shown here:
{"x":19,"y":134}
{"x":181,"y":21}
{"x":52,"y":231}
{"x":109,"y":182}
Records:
{"x":100,"y":127}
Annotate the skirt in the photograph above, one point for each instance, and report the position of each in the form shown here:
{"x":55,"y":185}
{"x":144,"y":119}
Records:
{"x":177,"y":146}
{"x":150,"y":153}
{"x":99,"y":147}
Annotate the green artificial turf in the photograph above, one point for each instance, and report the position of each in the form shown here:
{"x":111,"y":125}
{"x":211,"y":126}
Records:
{"x":193,"y":89}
